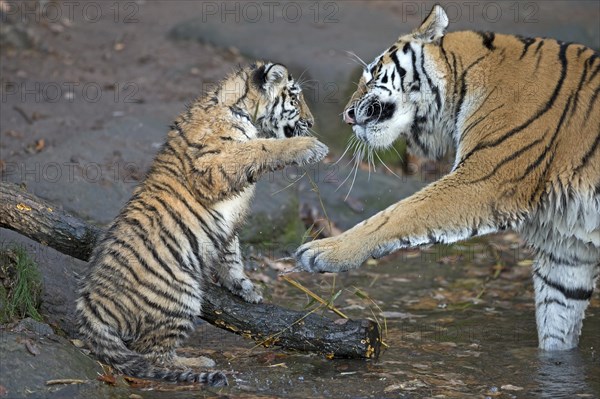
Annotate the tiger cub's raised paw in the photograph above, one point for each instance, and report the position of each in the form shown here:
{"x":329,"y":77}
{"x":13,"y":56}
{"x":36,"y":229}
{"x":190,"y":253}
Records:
{"x":306,"y":150}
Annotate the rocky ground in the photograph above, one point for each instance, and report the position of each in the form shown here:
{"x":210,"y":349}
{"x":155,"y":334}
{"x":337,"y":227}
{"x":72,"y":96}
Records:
{"x":88,"y":93}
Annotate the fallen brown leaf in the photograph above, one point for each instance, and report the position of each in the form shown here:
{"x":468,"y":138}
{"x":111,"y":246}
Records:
{"x":39,"y":145}
{"x":137,"y":382}
{"x":107,"y":379}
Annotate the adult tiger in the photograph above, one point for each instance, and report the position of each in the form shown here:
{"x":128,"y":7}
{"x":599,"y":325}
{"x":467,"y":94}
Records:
{"x":529,"y":163}
{"x":179,"y":230}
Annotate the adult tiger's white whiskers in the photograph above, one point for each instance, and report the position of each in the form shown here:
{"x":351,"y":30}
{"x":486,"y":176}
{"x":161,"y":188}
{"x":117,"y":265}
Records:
{"x":300,"y":77}
{"x":345,"y":151}
{"x":355,"y":57}
{"x":312,"y":132}
{"x":387,"y":167}
{"x":359,"y":157}
{"x":359,"y":149}
{"x":352,"y":144}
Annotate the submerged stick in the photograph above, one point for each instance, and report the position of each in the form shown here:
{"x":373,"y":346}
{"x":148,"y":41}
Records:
{"x":266,"y":324}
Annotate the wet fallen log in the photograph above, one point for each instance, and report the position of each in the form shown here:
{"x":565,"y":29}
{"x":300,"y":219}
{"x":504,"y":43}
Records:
{"x":267,"y":324}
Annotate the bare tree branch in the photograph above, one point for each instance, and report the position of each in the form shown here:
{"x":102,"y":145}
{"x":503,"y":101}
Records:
{"x":266,"y":324}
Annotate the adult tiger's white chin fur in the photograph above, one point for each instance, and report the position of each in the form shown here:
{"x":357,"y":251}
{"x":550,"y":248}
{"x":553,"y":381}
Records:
{"x":382,"y":135}
{"x":374,"y":136}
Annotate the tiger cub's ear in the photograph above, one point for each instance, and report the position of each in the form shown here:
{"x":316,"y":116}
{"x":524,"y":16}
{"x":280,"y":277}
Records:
{"x":270,"y":75}
{"x":433,"y":28}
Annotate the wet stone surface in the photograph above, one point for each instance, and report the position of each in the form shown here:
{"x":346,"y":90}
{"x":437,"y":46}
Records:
{"x":458,"y":325}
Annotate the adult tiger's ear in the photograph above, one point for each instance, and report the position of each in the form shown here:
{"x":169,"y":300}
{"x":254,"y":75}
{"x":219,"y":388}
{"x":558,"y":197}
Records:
{"x":270,"y":75}
{"x":433,"y":28}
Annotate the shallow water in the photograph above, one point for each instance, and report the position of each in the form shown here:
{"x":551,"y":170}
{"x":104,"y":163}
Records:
{"x":453,"y":330}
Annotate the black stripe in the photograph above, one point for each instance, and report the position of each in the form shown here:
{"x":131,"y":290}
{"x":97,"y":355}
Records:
{"x":434,"y":88}
{"x":416,"y":77}
{"x":178,"y":154}
{"x":588,"y":155}
{"x":591,"y":61}
{"x":488,"y":39}
{"x":593,"y":75}
{"x":481,"y":104}
{"x":237,"y":111}
{"x":203,"y":223}
{"x":126,"y":288}
{"x":123,"y":291}
{"x":561,"y":339}
{"x":93,"y":307}
{"x":401,"y":71}
{"x":191,"y":237}
{"x":542,"y":156}
{"x":383,"y":88}
{"x":245,"y":93}
{"x":527,"y":41}
{"x":454,"y":76}
{"x":539,"y":46}
{"x":577,"y":294}
{"x":119,"y":258}
{"x":176,"y":254}
{"x":415,"y":129}
{"x":591,"y":103}
{"x":551,"y":301}
{"x":153,"y":287}
{"x":463,"y":87}
{"x":474,"y":124}
{"x":444,"y":53}
{"x":159,"y":164}
{"x":538,"y":114}
{"x":578,"y":90}
{"x":144,"y":237}
{"x":509,"y":158}
{"x":573,"y":261}
{"x":189,"y":143}
{"x":208,"y":152}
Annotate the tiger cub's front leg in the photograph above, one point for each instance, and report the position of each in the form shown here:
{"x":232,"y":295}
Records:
{"x":222,"y":173}
{"x":230,"y":273}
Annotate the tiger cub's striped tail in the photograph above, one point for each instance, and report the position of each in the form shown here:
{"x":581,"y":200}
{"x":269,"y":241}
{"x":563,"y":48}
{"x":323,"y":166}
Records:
{"x":111,"y":349}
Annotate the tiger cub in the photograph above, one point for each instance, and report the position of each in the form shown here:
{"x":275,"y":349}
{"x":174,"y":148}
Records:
{"x":523,"y":117}
{"x":179,"y":229}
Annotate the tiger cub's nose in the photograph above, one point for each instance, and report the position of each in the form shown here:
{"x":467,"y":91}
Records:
{"x":349,"y":116}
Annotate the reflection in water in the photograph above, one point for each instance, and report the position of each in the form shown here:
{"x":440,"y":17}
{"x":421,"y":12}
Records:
{"x":561,"y":374}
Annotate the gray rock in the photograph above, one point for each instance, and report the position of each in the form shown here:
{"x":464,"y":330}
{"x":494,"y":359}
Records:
{"x":39,"y":328}
{"x":29,"y":360}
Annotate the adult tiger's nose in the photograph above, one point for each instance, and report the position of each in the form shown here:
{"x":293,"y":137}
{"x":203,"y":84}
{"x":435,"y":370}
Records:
{"x":349,"y":116}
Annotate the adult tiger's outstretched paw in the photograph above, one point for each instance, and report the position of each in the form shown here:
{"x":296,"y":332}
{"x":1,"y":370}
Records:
{"x":329,"y":255}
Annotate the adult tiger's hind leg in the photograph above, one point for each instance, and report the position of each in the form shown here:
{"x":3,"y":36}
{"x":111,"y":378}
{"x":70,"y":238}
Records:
{"x":230,"y":273}
{"x":562,"y":293}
